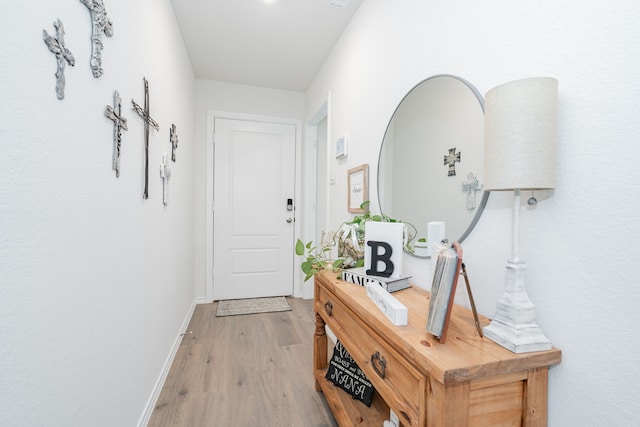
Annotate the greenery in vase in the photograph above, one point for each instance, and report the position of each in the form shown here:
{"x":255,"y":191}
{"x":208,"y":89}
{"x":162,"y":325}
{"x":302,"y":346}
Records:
{"x":350,"y":239}
{"x":316,"y":258}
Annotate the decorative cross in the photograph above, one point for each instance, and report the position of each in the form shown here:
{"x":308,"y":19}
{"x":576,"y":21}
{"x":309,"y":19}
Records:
{"x":144,"y":113}
{"x":165,"y":174}
{"x":174,"y":142}
{"x":119,"y":123}
{"x":471,"y":186}
{"x":451,"y":159}
{"x":59,"y":49}
{"x":100,"y":24}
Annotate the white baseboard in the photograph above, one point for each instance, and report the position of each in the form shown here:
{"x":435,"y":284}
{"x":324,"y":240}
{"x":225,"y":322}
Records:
{"x":202,"y":300}
{"x":155,"y":394}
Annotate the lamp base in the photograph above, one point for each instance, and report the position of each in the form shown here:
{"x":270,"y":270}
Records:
{"x":514,"y":326}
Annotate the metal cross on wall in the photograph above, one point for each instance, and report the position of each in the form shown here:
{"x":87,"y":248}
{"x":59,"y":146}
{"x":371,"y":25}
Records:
{"x":471,"y":186}
{"x":59,"y":49}
{"x":100,"y":24}
{"x":451,"y":159}
{"x":144,"y":113}
{"x":174,"y":142}
{"x":119,"y":123}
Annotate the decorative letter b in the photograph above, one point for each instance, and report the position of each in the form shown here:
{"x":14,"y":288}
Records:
{"x":385,"y":257}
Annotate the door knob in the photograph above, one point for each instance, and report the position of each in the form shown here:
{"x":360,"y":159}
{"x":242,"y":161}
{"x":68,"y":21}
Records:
{"x":289,"y":220}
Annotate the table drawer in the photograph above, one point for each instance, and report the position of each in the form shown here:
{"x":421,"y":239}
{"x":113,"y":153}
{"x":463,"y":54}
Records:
{"x":398,"y":382}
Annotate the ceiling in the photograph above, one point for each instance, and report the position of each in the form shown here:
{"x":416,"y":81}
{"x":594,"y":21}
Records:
{"x":279,"y":44}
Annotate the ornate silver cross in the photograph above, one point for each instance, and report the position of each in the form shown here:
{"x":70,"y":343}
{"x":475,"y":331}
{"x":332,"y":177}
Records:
{"x":471,"y":186}
{"x":174,"y":142}
{"x":451,"y":159}
{"x":59,"y":49}
{"x":144,"y":113}
{"x":100,"y":24}
{"x":119,"y":123}
{"x":165,"y":174}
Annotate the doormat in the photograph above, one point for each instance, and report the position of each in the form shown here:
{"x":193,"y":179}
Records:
{"x":234,"y":307}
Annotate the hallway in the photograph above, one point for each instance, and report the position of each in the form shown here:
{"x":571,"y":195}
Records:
{"x":248,"y":370}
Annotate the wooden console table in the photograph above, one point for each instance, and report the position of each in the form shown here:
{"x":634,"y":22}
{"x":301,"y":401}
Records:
{"x":469,"y":381}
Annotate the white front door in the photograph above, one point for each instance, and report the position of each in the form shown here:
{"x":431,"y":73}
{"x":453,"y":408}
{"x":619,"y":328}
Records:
{"x":253,"y":228}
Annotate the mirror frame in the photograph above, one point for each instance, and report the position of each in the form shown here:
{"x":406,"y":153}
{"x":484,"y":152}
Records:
{"x":485,"y":194}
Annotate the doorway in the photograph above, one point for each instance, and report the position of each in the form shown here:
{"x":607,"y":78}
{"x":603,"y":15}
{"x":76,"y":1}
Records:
{"x":316,"y":181}
{"x":253,"y":212}
{"x":322,"y":179}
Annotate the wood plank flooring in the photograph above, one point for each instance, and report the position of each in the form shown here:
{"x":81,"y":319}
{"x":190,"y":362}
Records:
{"x":246,"y":371}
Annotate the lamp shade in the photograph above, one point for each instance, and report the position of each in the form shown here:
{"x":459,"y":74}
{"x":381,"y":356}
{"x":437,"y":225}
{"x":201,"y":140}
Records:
{"x":520,"y":135}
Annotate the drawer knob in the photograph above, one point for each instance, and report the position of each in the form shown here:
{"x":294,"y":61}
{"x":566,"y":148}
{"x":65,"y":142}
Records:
{"x":376,"y":360}
{"x":328,"y":307}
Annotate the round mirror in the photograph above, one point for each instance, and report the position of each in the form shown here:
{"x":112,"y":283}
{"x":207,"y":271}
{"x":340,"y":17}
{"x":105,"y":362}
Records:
{"x":430,"y":169}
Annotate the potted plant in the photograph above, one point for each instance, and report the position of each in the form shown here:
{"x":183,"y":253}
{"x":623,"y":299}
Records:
{"x":350,"y":241}
{"x":318,"y":258}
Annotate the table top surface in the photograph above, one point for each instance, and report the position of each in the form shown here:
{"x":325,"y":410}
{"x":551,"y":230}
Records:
{"x":463,"y":357}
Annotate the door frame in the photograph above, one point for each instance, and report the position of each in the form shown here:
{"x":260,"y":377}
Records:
{"x":211,"y":116}
{"x":310,"y":176}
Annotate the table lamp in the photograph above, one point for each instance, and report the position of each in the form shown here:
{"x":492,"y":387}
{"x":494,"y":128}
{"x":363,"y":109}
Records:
{"x":520,"y":154}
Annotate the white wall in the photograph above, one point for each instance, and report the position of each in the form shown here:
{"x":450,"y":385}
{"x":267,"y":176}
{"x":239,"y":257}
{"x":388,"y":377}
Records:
{"x":582,"y":243}
{"x":229,"y":98}
{"x":95,"y":282}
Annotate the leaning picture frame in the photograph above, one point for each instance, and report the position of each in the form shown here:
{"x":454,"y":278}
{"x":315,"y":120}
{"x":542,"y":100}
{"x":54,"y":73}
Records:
{"x":357,"y":188}
{"x":443,"y":289}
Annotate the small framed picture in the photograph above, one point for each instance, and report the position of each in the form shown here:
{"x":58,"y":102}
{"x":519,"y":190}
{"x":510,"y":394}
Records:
{"x":342,"y":147}
{"x":358,"y":188}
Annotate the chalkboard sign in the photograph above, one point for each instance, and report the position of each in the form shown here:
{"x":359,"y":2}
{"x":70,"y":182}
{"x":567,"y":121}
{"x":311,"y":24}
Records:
{"x":345,"y":373}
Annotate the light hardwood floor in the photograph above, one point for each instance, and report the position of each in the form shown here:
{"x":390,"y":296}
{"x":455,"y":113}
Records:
{"x":245,"y":371}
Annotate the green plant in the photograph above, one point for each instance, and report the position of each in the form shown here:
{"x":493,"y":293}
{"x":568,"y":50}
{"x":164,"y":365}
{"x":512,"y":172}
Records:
{"x":318,"y":259}
{"x":350,"y":241}
{"x":354,"y":230}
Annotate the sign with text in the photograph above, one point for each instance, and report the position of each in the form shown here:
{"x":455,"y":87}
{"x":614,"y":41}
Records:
{"x":345,"y":373}
{"x":383,"y":248}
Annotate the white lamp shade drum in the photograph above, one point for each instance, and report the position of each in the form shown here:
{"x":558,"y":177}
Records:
{"x":521,"y":134}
